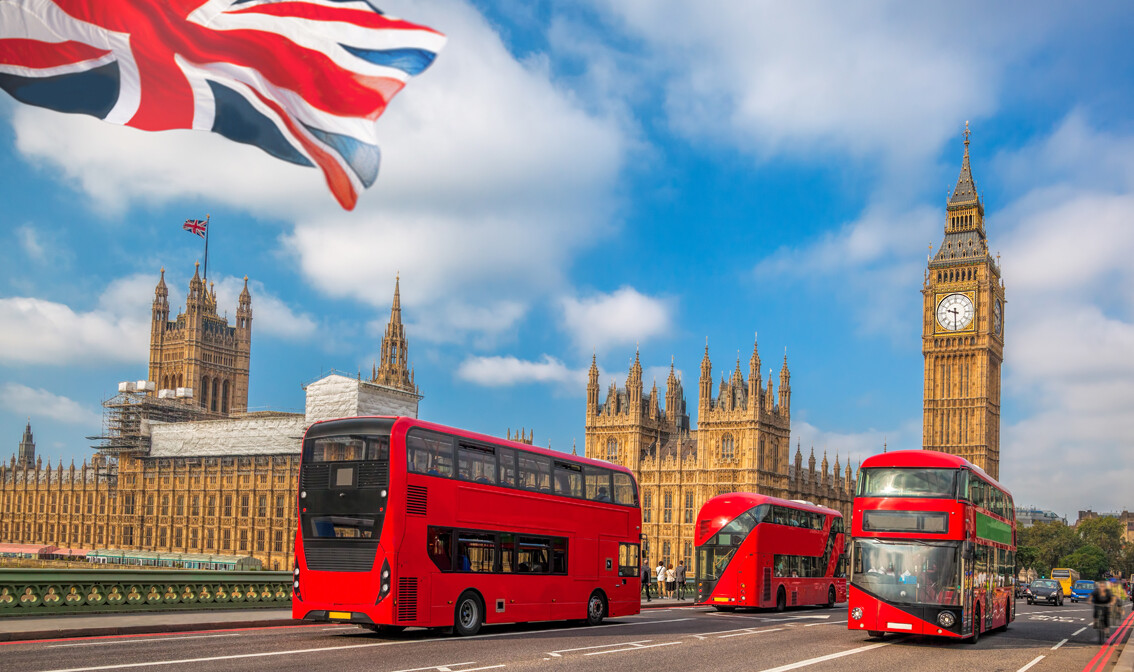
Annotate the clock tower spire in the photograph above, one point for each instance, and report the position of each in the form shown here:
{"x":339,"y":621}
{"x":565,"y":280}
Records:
{"x":963,"y":333}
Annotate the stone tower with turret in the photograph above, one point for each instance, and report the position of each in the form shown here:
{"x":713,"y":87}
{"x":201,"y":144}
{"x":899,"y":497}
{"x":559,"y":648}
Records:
{"x":26,"y":454}
{"x":199,"y":350}
{"x":963,"y":334}
{"x":393,"y":369}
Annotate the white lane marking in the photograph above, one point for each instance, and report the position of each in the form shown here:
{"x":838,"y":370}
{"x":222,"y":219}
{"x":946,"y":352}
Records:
{"x":140,"y":641}
{"x":1059,"y":645}
{"x":1036,"y":660}
{"x":797,"y":617}
{"x":630,"y":648}
{"x":557,"y":652}
{"x":474,"y":669}
{"x":811,"y":625}
{"x":830,"y":656}
{"x":1078,"y":631}
{"x":327,"y":649}
{"x":749,"y":632}
{"x":444,"y":666}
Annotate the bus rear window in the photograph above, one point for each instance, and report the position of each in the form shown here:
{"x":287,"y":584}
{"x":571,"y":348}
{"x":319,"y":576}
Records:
{"x":907,"y":482}
{"x":1060,"y":573}
{"x":341,"y":527}
{"x":348,"y":449}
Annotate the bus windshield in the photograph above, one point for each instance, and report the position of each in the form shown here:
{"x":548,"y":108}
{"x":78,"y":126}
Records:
{"x":907,"y":482}
{"x":719,"y":549}
{"x":912,"y":573}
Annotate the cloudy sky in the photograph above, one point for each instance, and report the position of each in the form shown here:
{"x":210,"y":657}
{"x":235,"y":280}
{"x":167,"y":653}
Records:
{"x":575,"y":180}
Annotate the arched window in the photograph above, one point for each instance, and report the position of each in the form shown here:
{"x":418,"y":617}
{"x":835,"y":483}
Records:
{"x":204,"y":393}
{"x":611,"y":450}
{"x":728,"y":448}
{"x":213,"y":395}
{"x":665,"y":552}
{"x":760,"y":462}
{"x":224,"y":397}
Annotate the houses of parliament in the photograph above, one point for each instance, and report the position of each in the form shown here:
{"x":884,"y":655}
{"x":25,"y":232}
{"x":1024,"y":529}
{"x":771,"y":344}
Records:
{"x":185,"y":468}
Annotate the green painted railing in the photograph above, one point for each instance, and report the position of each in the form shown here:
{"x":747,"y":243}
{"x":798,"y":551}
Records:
{"x":30,"y":592}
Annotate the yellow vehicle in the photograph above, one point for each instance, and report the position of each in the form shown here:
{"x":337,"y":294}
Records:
{"x":1066,"y":578}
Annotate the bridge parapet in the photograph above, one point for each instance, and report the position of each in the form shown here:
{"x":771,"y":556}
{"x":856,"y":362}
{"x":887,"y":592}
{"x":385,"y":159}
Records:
{"x":34,"y":592}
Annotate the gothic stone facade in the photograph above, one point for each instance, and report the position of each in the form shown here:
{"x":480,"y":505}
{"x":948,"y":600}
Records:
{"x":963,"y":334}
{"x":741,"y":444}
{"x":198,"y":350}
{"x":220,"y":486}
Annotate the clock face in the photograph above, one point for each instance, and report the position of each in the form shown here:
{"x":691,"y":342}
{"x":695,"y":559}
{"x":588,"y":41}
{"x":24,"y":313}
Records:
{"x":997,"y":317}
{"x":955,"y":312}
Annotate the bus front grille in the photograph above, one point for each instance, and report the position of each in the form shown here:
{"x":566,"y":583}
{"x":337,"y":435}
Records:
{"x":417,"y":499}
{"x":340,"y":557}
{"x":407,"y":599}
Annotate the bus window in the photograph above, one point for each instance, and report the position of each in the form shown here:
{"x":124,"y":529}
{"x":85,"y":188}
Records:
{"x":532,"y":555}
{"x":568,"y":479}
{"x":429,"y":454}
{"x":535,"y":472}
{"x":476,"y":552}
{"x":628,"y":564}
{"x":507,"y":459}
{"x":507,"y":552}
{"x":559,"y":555}
{"x":624,"y":489}
{"x":476,"y":463}
{"x":441,"y":547}
{"x":598,"y":484}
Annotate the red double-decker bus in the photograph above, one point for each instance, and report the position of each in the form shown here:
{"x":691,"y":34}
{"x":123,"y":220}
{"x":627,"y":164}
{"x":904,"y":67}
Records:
{"x":407,"y":523}
{"x":760,"y":551}
{"x":934,"y":549}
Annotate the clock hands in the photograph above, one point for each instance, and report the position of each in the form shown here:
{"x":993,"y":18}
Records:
{"x":956,"y":319}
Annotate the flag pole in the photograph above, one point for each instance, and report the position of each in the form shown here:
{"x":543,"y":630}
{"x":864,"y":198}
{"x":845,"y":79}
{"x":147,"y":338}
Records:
{"x":206,"y":247}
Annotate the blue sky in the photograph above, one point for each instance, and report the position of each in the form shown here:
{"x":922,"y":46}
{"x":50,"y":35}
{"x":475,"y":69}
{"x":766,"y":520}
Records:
{"x":575,"y":180}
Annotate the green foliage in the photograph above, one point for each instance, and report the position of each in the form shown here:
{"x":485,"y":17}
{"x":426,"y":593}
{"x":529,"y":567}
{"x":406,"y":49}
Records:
{"x":1089,"y":560}
{"x":1052,"y":541}
{"x":1106,"y":534}
{"x":1026,"y":557}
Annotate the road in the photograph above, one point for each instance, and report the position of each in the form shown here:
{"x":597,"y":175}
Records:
{"x":1043,"y":638}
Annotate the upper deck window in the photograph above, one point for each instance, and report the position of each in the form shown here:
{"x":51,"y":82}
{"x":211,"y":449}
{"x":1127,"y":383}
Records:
{"x":429,"y":453}
{"x":907,"y":482}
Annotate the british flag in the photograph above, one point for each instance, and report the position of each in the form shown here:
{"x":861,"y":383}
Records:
{"x":304,"y":80}
{"x":196,"y":226}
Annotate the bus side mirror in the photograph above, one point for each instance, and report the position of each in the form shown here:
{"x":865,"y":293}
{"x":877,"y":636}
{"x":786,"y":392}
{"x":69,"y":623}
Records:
{"x":967,"y":550}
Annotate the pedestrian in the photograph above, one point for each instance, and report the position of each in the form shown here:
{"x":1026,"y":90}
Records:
{"x":679,"y":574}
{"x":659,"y":573}
{"x":647,"y":579}
{"x":671,"y":580}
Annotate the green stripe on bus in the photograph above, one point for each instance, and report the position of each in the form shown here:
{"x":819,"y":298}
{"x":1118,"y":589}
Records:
{"x":992,"y":529}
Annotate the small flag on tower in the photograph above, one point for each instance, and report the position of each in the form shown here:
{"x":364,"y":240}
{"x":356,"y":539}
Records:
{"x":197,"y":226}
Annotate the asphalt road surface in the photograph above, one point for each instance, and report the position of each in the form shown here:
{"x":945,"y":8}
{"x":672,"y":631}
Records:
{"x":1043,"y":638}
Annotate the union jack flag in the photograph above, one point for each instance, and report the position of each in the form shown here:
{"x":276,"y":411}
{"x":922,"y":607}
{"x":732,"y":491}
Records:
{"x":196,"y":226}
{"x":304,"y":80}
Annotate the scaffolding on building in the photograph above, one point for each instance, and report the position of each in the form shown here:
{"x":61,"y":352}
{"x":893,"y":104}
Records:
{"x":127,"y":419}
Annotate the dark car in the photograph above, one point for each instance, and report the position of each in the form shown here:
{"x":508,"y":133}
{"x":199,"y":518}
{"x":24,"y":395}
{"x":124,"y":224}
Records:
{"x":1045,"y":590}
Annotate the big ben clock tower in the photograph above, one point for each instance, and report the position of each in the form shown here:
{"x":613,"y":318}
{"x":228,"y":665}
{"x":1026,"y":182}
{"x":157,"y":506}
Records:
{"x":963,"y":334}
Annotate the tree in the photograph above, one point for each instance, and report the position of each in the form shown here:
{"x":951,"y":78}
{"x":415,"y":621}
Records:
{"x":1052,"y":541}
{"x":1105,"y":532}
{"x":1089,"y":560}
{"x":1026,"y":558}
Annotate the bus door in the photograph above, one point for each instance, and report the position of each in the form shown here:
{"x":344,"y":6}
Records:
{"x":967,"y":586}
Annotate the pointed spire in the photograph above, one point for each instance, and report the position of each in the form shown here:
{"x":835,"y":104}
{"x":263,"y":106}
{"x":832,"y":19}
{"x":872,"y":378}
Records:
{"x":965,"y":192}
{"x":244,"y":293}
{"x":396,"y":307}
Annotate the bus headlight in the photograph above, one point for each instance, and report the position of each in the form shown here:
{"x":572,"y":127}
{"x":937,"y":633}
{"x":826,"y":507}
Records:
{"x":384,"y":587}
{"x":946,"y":619}
{"x":303,"y":494}
{"x":856,"y":613}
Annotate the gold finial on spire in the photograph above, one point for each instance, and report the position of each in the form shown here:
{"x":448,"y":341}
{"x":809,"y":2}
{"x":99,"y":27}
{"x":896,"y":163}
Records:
{"x":967,"y":134}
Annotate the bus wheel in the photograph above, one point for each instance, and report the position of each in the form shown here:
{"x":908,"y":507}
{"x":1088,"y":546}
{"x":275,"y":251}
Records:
{"x":386,"y":629}
{"x":831,"y":597}
{"x":468,"y":615}
{"x":976,"y":626}
{"x":596,"y":608}
{"x":781,"y":599}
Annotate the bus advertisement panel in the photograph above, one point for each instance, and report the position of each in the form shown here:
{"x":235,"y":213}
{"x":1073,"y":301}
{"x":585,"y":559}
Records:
{"x":934,"y":547}
{"x":760,"y":551}
{"x":407,"y":523}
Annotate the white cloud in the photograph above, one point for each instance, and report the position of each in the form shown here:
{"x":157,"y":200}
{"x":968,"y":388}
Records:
{"x":270,"y":315}
{"x":37,"y":331}
{"x":29,"y":241}
{"x":885,"y":79}
{"x":40,"y":403}
{"x":508,"y":371}
{"x":622,"y":317}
